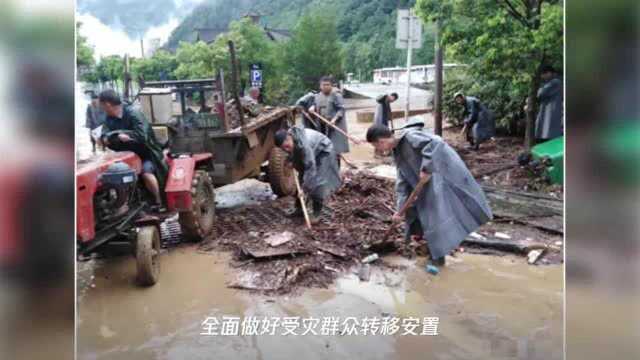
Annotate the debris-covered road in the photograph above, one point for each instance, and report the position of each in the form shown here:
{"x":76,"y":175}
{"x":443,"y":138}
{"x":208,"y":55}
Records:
{"x":496,"y":304}
{"x":274,"y":253}
{"x":352,"y":227}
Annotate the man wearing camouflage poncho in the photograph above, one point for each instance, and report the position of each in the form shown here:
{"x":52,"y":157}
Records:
{"x":450,"y":206}
{"x":329,"y":104}
{"x":311,"y":154}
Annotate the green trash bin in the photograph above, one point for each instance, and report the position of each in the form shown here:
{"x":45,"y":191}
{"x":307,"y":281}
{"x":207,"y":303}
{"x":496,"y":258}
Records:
{"x":551,"y":153}
{"x":619,"y":146}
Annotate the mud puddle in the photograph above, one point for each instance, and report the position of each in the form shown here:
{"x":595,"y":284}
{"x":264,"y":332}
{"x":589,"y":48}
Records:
{"x":487,"y":307}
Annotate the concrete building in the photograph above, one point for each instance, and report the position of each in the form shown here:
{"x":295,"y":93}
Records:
{"x":420,"y":74}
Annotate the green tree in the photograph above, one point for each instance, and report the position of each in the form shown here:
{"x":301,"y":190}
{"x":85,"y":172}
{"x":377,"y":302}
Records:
{"x":84,"y":52}
{"x":312,"y":52}
{"x":110,"y":71}
{"x":85,"y":60}
{"x":160,"y":66}
{"x":252,"y":46}
{"x":505,"y":44}
{"x":195,"y":60}
{"x":365,"y":28}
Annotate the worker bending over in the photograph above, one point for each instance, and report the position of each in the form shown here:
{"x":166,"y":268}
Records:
{"x":479,"y":123}
{"x":382,"y":116}
{"x":311,"y":154}
{"x":450,"y":206}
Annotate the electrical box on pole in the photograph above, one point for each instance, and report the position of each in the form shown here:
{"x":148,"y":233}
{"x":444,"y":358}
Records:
{"x":408,"y":36}
{"x":402,"y":30}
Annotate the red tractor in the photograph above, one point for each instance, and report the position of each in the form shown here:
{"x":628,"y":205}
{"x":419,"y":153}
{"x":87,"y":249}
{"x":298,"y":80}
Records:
{"x":112,"y":206}
{"x":204,"y":148}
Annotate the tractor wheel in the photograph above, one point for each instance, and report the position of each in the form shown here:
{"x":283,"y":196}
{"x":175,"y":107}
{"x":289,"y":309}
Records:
{"x":148,"y":255}
{"x":198,"y":222}
{"x":280,"y":173}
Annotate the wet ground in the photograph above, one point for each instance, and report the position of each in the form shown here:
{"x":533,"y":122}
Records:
{"x":489,"y":307}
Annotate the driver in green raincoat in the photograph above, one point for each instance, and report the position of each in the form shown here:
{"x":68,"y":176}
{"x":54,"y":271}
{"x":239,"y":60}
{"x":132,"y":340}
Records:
{"x":134,"y":133}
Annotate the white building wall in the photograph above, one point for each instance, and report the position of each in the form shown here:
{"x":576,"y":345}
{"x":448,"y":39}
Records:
{"x":419,"y":74}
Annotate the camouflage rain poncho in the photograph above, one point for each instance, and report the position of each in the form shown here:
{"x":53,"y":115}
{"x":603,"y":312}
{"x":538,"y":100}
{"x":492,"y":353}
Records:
{"x":316,"y":162}
{"x":451,"y":205}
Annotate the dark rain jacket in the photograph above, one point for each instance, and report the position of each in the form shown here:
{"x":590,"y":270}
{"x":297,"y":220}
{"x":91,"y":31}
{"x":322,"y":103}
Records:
{"x":139,"y":129}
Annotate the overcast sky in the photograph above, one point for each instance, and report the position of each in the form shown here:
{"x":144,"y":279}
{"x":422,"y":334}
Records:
{"x":116,"y":26}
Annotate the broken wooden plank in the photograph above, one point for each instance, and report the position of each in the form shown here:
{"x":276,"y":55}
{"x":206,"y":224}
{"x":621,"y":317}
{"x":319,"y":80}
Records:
{"x":538,"y":210}
{"x":272,"y":252}
{"x":516,"y":247}
{"x":545,"y":204}
{"x":494,"y":170}
{"x":511,"y":206}
{"x":496,"y":244}
{"x":331,"y":249}
{"x":278,"y":239}
{"x":551,"y":224}
{"x":528,"y":194}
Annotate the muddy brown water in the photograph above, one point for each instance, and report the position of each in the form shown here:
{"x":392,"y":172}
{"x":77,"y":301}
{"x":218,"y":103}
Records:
{"x":488,"y":307}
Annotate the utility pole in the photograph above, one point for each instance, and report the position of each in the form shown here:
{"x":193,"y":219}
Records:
{"x":127,"y":78}
{"x":439,"y":73}
{"x":409,"y":54}
{"x":409,"y":36}
{"x":141,"y":48}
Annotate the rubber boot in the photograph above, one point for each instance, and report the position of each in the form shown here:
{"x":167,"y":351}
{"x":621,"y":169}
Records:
{"x":438,"y":262}
{"x":317,"y":207}
{"x":296,"y":212}
{"x":316,"y":212}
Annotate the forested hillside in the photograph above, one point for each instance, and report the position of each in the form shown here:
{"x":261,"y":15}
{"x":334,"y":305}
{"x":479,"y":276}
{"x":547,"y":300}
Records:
{"x":365,"y":28}
{"x":504,"y":47}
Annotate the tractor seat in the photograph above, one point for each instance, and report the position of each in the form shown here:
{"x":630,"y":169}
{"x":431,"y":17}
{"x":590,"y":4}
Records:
{"x":162,"y":135}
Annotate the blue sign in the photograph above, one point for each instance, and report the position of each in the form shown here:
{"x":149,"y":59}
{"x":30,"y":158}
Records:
{"x":255,"y":75}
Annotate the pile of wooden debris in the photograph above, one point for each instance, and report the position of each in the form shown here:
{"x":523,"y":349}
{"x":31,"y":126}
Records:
{"x":274,"y":253}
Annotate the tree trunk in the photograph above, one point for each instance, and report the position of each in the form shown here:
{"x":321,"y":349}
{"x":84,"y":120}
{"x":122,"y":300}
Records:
{"x":529,"y":135}
{"x":532,"y":107}
{"x":533,"y":15}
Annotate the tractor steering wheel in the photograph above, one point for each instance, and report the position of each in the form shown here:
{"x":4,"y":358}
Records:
{"x":114,"y":142}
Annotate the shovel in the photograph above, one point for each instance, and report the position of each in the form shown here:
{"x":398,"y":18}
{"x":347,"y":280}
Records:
{"x":303,"y":203}
{"x":407,"y":204}
{"x":355,"y":141}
